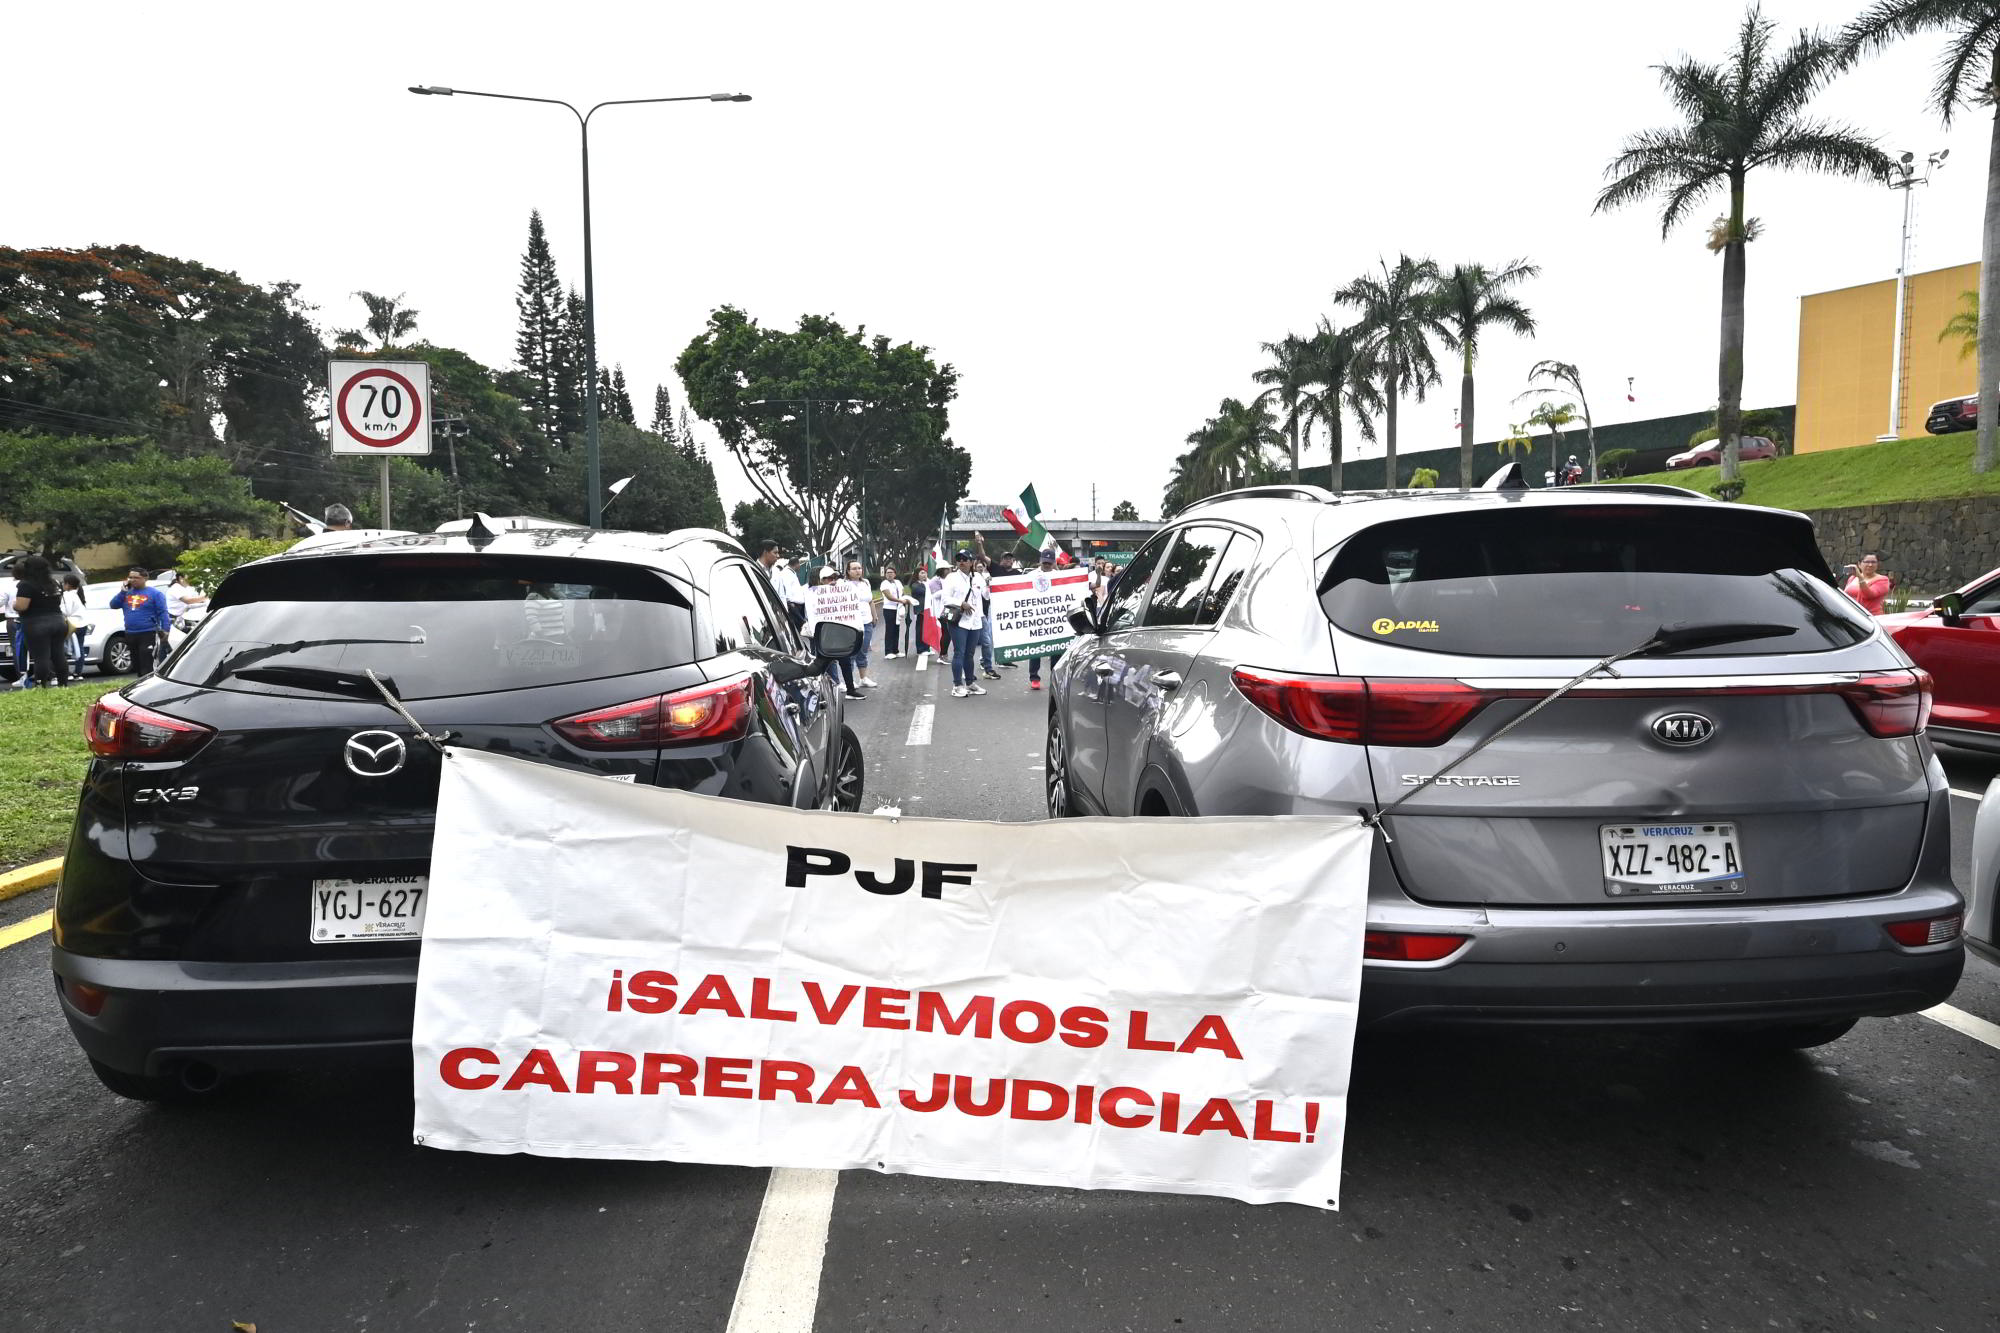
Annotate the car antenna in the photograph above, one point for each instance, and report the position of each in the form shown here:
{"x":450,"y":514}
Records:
{"x":1509,"y":478}
{"x":481,"y":532}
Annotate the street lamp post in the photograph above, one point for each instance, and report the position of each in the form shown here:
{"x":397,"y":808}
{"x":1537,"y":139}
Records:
{"x":594,"y":488}
{"x":1903,"y":176}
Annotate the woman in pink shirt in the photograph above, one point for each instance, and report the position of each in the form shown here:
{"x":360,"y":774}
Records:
{"x":1868,"y":587}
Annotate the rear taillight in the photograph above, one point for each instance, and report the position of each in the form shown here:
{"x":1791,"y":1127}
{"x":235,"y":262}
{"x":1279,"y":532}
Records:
{"x":1398,"y":946}
{"x":1930,"y":930}
{"x":706,"y":713}
{"x":117,"y":728}
{"x":1365,"y":710}
{"x":1891,"y":703}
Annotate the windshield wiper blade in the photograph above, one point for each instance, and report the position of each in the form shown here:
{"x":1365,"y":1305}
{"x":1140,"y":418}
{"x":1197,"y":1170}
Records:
{"x":318,"y":678}
{"x":1684,"y":637}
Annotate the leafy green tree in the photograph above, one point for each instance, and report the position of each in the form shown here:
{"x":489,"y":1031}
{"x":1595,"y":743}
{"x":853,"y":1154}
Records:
{"x":1125,"y":512}
{"x":1424,"y":479}
{"x":66,"y":493}
{"x":663,"y":414}
{"x":1564,"y":377}
{"x":804,"y":411}
{"x":388,"y":319}
{"x":1470,"y":299}
{"x":756,"y":520}
{"x":670,"y":489}
{"x":572,"y":368}
{"x":614,"y":399}
{"x":538,"y":340}
{"x":1968,"y":76}
{"x":1745,"y":113}
{"x":1344,"y":377}
{"x":1289,"y":376}
{"x":206,"y":565}
{"x":1399,"y":316}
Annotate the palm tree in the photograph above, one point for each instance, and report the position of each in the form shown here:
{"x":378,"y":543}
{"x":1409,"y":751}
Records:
{"x":1289,"y":375}
{"x":1469,"y":299}
{"x":388,"y":319}
{"x":1968,"y":75}
{"x":1964,"y":325}
{"x":1553,"y":416}
{"x":1747,"y":113}
{"x":1565,"y":376}
{"x":1346,"y":383}
{"x":1227,"y":452}
{"x":1515,"y":441}
{"x":1399,"y":317}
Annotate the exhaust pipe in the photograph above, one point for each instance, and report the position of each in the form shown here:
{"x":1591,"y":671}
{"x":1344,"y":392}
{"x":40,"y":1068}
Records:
{"x":200,"y":1078}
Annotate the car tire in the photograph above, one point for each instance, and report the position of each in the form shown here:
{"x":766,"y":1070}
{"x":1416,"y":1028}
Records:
{"x":164,"y":1089}
{"x":1786,"y":1036}
{"x":1055,"y":772}
{"x":116,"y":659}
{"x":850,"y":776}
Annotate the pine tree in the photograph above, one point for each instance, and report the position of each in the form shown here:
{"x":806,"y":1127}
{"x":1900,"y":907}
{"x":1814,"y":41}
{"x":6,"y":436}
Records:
{"x":538,"y":342}
{"x":618,"y":403}
{"x":663,"y":415}
{"x":569,"y":370}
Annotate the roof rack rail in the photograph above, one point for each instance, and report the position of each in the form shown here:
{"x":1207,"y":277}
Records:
{"x":1301,"y":492}
{"x":1647,"y":488}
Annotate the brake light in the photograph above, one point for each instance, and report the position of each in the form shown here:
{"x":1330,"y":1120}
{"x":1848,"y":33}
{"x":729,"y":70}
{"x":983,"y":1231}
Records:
{"x":1399,"y":946}
{"x":1891,"y":703}
{"x":706,"y":713}
{"x":117,"y":728}
{"x":1365,"y":710}
{"x":1932,"y":930}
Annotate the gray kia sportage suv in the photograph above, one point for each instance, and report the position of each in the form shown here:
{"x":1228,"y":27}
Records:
{"x":1630,"y":755}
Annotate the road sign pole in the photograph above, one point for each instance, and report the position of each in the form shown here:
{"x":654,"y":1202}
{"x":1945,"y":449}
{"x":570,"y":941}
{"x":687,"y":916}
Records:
{"x":384,"y":461}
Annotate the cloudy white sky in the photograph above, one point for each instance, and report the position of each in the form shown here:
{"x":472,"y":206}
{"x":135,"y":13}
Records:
{"x":1096,"y":211}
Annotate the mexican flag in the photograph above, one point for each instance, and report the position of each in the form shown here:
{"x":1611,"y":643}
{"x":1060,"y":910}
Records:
{"x":1021,"y":516}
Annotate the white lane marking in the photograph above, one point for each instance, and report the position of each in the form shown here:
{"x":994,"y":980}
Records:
{"x":1970,"y":1024}
{"x":920,"y":725}
{"x":779,"y":1289}
{"x":924,"y":660}
{"x":1968,"y":795}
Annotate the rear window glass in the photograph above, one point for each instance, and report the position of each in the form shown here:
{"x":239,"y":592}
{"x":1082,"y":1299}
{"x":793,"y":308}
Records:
{"x":1546,"y":582}
{"x":438,"y":625}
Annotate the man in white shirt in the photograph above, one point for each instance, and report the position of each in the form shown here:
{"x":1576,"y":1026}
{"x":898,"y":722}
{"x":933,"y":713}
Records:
{"x":894,"y":604}
{"x":962,"y":613}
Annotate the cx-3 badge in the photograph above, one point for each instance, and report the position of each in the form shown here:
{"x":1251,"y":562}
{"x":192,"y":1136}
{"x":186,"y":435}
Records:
{"x":1683,"y":729}
{"x":374,"y":754}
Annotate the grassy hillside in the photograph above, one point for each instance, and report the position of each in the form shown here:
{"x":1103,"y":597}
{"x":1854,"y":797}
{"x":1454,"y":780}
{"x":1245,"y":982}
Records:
{"x":1928,"y":468}
{"x":41,"y":766}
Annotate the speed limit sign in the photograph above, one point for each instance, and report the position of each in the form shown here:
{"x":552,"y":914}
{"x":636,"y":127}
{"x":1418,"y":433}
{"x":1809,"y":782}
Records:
{"x":379,"y":407}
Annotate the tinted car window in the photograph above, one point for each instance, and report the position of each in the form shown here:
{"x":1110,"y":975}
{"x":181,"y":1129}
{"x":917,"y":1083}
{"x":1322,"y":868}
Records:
{"x":439,"y":625}
{"x":1586,"y":582}
{"x":742,"y":616}
{"x":1185,"y":575}
{"x":1130,"y":591}
{"x":1984,"y":601}
{"x":1229,"y":571}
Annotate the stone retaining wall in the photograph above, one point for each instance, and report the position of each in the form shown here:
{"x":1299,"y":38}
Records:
{"x":1930,"y":546}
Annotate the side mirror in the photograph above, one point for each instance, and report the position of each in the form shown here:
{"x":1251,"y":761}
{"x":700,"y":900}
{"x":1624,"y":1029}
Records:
{"x":1082,"y":621}
{"x":831,"y":639}
{"x":1951,"y":607}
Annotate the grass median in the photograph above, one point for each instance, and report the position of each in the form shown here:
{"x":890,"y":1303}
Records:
{"x":41,"y":767}
{"x":1933,"y":467}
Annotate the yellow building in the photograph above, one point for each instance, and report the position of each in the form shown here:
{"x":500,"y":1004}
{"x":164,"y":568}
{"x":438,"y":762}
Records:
{"x":1845,"y":342}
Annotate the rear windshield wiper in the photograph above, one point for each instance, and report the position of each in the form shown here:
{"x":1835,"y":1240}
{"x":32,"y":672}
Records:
{"x":1662,"y":642}
{"x":329,"y":679}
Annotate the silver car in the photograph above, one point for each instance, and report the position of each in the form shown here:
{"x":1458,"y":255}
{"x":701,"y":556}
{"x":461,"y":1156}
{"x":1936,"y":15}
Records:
{"x":1630,"y":756}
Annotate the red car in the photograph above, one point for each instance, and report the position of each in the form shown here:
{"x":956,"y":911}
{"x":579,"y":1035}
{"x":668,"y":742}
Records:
{"x":1958,"y":642}
{"x":1748,"y":450}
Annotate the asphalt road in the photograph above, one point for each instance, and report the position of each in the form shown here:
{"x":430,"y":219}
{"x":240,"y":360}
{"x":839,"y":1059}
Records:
{"x":1534,"y":1181}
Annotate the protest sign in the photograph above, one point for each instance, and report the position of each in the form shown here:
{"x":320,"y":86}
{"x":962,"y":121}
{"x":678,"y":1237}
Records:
{"x":627,"y":972}
{"x":1031,"y":612}
{"x":840,"y":600}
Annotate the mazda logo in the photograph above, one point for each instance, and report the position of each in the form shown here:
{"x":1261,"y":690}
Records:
{"x":374,"y":754}
{"x":1683,"y":729}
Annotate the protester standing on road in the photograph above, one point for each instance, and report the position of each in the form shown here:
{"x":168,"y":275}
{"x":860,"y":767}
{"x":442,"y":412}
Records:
{"x":962,"y":612}
{"x":984,"y":581}
{"x":1867,"y":584}
{"x":844,"y":665}
{"x":934,"y":603}
{"x":857,"y":579}
{"x":1046,"y":567}
{"x":896,"y":604}
{"x":145,"y":618}
{"x":38,"y":602}
{"x":75,"y":621}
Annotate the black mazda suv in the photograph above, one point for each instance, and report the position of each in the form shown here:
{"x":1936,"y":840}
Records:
{"x":245,"y":884}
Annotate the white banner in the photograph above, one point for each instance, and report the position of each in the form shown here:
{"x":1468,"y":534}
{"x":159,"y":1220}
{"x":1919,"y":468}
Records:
{"x":1031,"y":611}
{"x":839,"y":600}
{"x":625,"y":972}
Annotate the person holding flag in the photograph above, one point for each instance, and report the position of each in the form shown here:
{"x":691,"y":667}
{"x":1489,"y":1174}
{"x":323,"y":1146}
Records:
{"x":1022,"y":517}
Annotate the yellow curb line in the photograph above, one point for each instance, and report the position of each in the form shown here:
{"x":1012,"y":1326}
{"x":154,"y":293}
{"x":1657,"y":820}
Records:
{"x":26,"y":930}
{"x":29,"y":878}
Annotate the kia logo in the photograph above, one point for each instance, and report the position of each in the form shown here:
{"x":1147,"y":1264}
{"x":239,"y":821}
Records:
{"x":374,"y":754}
{"x":1683,"y":729}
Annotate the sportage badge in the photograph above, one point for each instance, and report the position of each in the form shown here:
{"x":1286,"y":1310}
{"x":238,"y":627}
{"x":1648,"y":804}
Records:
{"x":374,"y":754}
{"x":1683,"y":729}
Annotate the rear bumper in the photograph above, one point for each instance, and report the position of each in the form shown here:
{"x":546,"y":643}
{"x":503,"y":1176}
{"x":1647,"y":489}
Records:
{"x":1742,"y":966}
{"x":241,"y":1016}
